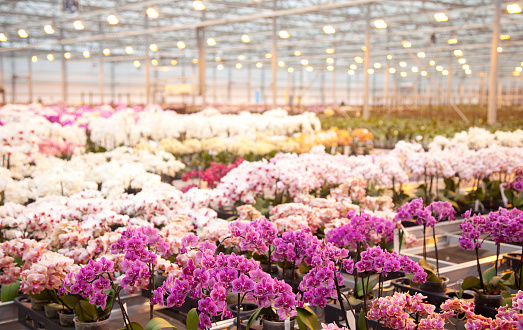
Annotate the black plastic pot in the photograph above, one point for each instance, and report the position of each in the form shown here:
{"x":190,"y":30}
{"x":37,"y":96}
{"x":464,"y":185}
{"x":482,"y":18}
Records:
{"x":247,"y":309}
{"x":435,"y":286}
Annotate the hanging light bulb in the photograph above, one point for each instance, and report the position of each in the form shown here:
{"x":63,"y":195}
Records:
{"x":211,"y":42}
{"x":424,"y":73}
{"x":330,"y":68}
{"x":468,"y":71}
{"x":421,"y":54}
{"x":241,"y":57}
{"x":514,"y":8}
{"x":328,"y":29}
{"x":153,"y":48}
{"x":3,"y":37}
{"x":268,"y":55}
{"x":445,"y":72}
{"x":199,"y":5}
{"x":377,"y":65}
{"x":403,"y":74}
{"x":129,"y":50}
{"x":458,"y":52}
{"x":353,"y":66}
{"x":406,"y":44}
{"x":392,"y":70}
{"x":310,"y":69}
{"x":112,"y":19}
{"x":304,"y":62}
{"x":152,"y":13}
{"x":499,"y":49}
{"x":50,"y":57}
{"x":67,"y":55}
{"x":220,"y":67}
{"x":452,"y":41}
{"x":504,"y":37}
{"x":350,"y":72}
{"x":291,"y":70}
{"x":432,"y":63}
{"x":246,"y":38}
{"x":174,"y":62}
{"x":107,"y":52}
{"x":281,"y":64}
{"x":462,"y":61}
{"x":519,"y":69}
{"x":180,"y":44}
{"x":358,"y":59}
{"x":414,"y":69}
{"x":238,"y":66}
{"x":34,"y":59}
{"x":136,"y":64}
{"x":403,"y":64}
{"x":330,"y":60}
{"x":284,"y":34}
{"x":380,"y":24}
{"x":370,"y":71}
{"x":87,"y":54}
{"x":22,"y":34}
{"x":439,"y":68}
{"x":297,"y":53}
{"x":78,"y":25}
{"x":465,"y":66}
{"x":48,"y":29}
{"x":389,"y":57}
{"x":440,"y":17}
{"x":330,"y":50}
{"x":259,"y":65}
{"x":154,"y":62}
{"x":194,"y":61}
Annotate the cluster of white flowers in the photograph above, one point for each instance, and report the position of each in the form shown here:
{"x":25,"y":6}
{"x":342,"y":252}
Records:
{"x":477,"y":138}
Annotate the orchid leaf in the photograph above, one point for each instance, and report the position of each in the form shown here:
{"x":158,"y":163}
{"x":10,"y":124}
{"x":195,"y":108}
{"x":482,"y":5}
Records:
{"x":85,"y":311}
{"x":133,"y":326}
{"x":489,"y":274}
{"x":308,"y":317}
{"x":10,"y":292}
{"x":253,"y":317}
{"x":158,"y":323}
{"x":470,"y":283}
{"x":192,"y":319}
{"x":362,"y":323}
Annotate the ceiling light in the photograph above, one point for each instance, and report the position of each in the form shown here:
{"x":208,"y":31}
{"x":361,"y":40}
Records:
{"x":241,"y":57}
{"x":328,"y":29}
{"x":353,"y":66}
{"x":519,"y":69}
{"x":403,"y":64}
{"x":153,"y":48}
{"x":465,"y":67}
{"x":370,"y":71}
{"x":406,"y":44}
{"x":50,"y":57}
{"x":452,"y":41}
{"x":392,"y":70}
{"x":305,"y":62}
{"x":219,"y":67}
{"x":246,"y":38}
{"x":199,"y":5}
{"x":350,"y":72}
{"x":48,"y":29}
{"x":421,"y":55}
{"x":377,"y":65}
{"x":330,"y":50}
{"x":439,"y":68}
{"x":330,"y":68}
{"x":403,"y":74}
{"x":107,"y":52}
{"x":195,"y":61}
{"x":217,"y":59}
{"x":112,"y":19}
{"x":389,"y":57}
{"x":34,"y":59}
{"x":281,"y":64}
{"x":152,"y":13}
{"x":259,"y":65}
{"x":297,"y":53}
{"x":211,"y":42}
{"x":414,"y":69}
{"x":440,"y":17}
{"x":291,"y":70}
{"x":458,"y":52}
{"x":462,"y":61}
{"x":87,"y":54}
{"x":310,"y":69}
{"x":67,"y":55}
{"x":22,"y":33}
{"x":78,"y":25}
{"x":504,"y":37}
{"x":136,"y":64}
{"x":174,"y":62}
{"x":513,"y":8}
{"x":445,"y":72}
{"x":380,"y":24}
{"x":500,"y":49}
{"x":432,"y":63}
{"x":238,"y":66}
{"x":358,"y":59}
{"x":129,"y":50}
{"x":154,"y":62}
{"x":3,"y":37}
{"x":468,"y":71}
{"x":423,"y":73}
{"x":181,"y":44}
{"x":330,"y":60}
{"x":284,"y":34}
{"x":268,"y":55}
{"x":516,"y":73}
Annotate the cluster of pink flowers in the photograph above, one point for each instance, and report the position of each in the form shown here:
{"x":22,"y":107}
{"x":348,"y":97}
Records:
{"x":27,"y":250}
{"x":214,"y":173}
{"x":427,"y":216}
{"x":47,"y":272}
{"x":55,"y":149}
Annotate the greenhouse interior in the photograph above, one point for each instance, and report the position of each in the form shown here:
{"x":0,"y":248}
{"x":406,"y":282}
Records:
{"x":261,"y":164}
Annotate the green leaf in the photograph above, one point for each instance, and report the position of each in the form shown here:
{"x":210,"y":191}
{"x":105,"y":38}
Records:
{"x":158,"y":323}
{"x":470,"y":283}
{"x":134,"y":326}
{"x":354,"y":301}
{"x":192,"y":319}
{"x":307,"y":316}
{"x":489,"y":274}
{"x":85,"y":311}
{"x":10,"y":292}
{"x":301,"y":325}
{"x":362,"y":323}
{"x":253,"y":317}
{"x":69,"y":300}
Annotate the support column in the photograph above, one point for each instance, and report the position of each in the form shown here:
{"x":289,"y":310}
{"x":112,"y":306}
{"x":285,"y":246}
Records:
{"x":113,"y":78}
{"x":63,"y":80}
{"x":147,"y":64}
{"x":2,"y":79}
{"x":386,"y":87}
{"x":274,"y":62}
{"x":13,"y":78}
{"x":214,"y":85}
{"x":449,"y":82}
{"x":101,"y":74}
{"x":200,"y":37}
{"x":30,"y":77}
{"x":492,"y":97}
{"x":334,"y":103}
{"x":249,"y":84}
{"x":366,"y":65}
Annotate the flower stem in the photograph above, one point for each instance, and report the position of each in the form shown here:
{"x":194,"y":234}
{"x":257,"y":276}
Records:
{"x":436,"y":249}
{"x":340,"y":300}
{"x":519,"y":270}
{"x":479,"y":270}
{"x":151,"y":290}
{"x":497,"y":258}
{"x":238,"y":318}
{"x":424,"y":241}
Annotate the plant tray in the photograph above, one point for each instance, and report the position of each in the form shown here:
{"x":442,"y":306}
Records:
{"x":27,"y":317}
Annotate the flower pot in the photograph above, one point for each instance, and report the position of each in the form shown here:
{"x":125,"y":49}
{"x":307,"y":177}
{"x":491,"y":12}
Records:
{"x":100,"y":325}
{"x":489,"y":300}
{"x":435,"y":286}
{"x":38,"y":305}
{"x":51,"y":311}
{"x":246,"y":309}
{"x":271,"y":325}
{"x":274,"y":268}
{"x":66,"y":319}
